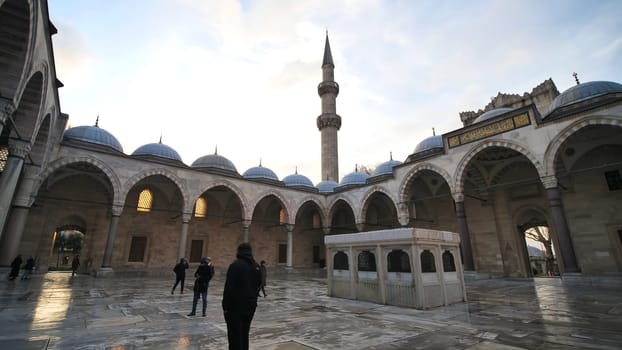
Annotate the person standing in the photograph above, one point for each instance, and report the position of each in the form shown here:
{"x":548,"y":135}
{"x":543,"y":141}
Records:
{"x":15,"y":264}
{"x":75,"y":264}
{"x":239,"y":299}
{"x":203,"y":274}
{"x":30,"y":265}
{"x":264,"y":277}
{"x":180,"y":274}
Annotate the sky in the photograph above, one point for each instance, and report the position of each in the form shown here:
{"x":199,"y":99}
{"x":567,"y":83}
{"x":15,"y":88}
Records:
{"x":243,"y":75}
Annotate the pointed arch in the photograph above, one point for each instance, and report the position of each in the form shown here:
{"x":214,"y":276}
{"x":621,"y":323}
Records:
{"x":377,"y":189}
{"x":412,"y":174}
{"x":333,"y":205}
{"x":18,"y":18}
{"x":131,"y":182}
{"x":304,"y":201}
{"x":221,"y":183}
{"x":29,"y":106}
{"x":553,"y":148}
{"x":280,"y":198}
{"x":458,"y":186}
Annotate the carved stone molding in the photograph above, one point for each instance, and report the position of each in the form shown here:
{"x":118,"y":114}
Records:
{"x":328,"y":119}
{"x":19,"y":148}
{"x":549,"y":181}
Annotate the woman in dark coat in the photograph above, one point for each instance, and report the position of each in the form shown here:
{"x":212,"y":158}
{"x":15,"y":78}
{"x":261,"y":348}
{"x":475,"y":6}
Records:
{"x":180,"y":274}
{"x":17,"y":262}
{"x":204,"y":274}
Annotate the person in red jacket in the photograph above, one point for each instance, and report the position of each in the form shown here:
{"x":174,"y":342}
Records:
{"x":239,"y":299}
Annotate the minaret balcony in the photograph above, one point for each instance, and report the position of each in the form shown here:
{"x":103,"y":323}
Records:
{"x":328,"y":87}
{"x":328,"y":120}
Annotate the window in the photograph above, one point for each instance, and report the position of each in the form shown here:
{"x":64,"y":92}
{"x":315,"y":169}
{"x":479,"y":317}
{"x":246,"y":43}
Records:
{"x":282,"y":253}
{"x":340,"y":261}
{"x":448,"y":262}
{"x":196,"y":250}
{"x":367,"y":261}
{"x":614,"y":181}
{"x":282,"y":216}
{"x":427,"y":261}
{"x":398,"y":261}
{"x":317,"y":223}
{"x":200,"y":208}
{"x":137,"y":249}
{"x":145,"y":200}
{"x":316,"y":254}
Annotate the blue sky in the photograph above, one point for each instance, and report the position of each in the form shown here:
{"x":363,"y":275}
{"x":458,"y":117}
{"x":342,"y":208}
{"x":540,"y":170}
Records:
{"x":243,"y":75}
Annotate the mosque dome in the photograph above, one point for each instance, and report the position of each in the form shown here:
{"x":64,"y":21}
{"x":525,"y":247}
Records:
{"x":94,"y":135}
{"x":386,"y":167}
{"x":260,"y":172}
{"x":327,"y":186}
{"x":435,"y":141}
{"x":491,"y":114}
{"x":157,"y":150}
{"x":354,"y":178}
{"x":585,"y":91}
{"x":214,"y":161}
{"x":296,"y":179}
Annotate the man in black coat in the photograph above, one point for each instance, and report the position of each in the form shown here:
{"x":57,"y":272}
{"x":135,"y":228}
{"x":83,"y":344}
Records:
{"x":239,"y":299}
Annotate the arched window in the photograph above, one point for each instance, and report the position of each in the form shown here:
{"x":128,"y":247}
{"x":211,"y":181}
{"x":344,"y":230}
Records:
{"x":398,"y":261}
{"x":317,"y":223}
{"x":282,"y":216}
{"x":200,"y":208}
{"x":145,"y":200}
{"x":427,"y":261}
{"x":367,"y":261}
{"x":448,"y":262}
{"x":340,"y":261}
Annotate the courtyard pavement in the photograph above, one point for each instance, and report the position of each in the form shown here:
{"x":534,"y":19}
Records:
{"x":56,"y":311}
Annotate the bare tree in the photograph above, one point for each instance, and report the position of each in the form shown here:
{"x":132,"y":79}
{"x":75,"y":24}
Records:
{"x":542,"y":234}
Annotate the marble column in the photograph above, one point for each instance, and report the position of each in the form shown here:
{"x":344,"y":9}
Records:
{"x":9,"y":244}
{"x":465,"y":236}
{"x":18,"y":150}
{"x":6,"y":112}
{"x":112,"y":232}
{"x":290,"y":245}
{"x":183,"y":237}
{"x":566,"y":248}
{"x":245,"y":225}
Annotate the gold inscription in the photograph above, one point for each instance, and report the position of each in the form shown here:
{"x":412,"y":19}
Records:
{"x":488,"y":130}
{"x":454,"y":141}
{"x":521,"y":120}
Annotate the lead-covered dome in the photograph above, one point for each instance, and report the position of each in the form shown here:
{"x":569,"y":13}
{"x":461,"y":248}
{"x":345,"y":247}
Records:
{"x":326,"y":186}
{"x":354,"y":178}
{"x":386,"y":167}
{"x":435,"y":141}
{"x":491,"y":114}
{"x":260,"y":172}
{"x":214,"y":161}
{"x":297,"y":180}
{"x":94,"y":135}
{"x":585,"y":91}
{"x":157,"y":150}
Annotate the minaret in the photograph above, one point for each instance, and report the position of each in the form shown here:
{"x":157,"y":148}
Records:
{"x":329,"y":122}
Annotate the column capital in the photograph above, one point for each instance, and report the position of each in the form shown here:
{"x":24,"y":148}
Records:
{"x":7,"y":108}
{"x":549,"y":181}
{"x":246,"y":224}
{"x":19,"y":148}
{"x":117,"y":209}
{"x":185,"y":217}
{"x":458,"y":196}
{"x":326,"y":230}
{"x":289,"y":227}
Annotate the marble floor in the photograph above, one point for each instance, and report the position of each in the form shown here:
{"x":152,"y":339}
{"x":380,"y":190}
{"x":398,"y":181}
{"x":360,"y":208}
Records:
{"x":55,"y":311}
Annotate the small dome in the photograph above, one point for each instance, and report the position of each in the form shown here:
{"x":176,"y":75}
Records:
{"x":157,"y":150}
{"x":259,"y":172}
{"x":435,"y":141}
{"x":585,"y":91}
{"x":327,"y":186}
{"x":386,"y":167}
{"x":297,"y":180}
{"x":93,"y":134}
{"x":214,"y":161}
{"x":354,"y":178}
{"x":491,"y":114}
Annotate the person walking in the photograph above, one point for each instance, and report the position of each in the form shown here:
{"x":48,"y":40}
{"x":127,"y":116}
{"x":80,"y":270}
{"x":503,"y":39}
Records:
{"x":264,"y":276}
{"x":15,"y":264}
{"x":239,"y":299}
{"x":28,"y":268}
{"x":75,"y":264}
{"x":180,"y":274}
{"x":203,"y":274}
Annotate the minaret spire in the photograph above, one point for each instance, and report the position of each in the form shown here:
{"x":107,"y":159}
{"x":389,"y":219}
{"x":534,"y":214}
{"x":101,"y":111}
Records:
{"x":329,"y":122}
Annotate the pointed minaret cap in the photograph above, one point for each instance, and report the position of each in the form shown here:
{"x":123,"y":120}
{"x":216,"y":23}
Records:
{"x":328,"y":56}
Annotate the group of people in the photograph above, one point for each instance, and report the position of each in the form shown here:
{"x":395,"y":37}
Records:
{"x":17,"y":263}
{"x":244,"y":281}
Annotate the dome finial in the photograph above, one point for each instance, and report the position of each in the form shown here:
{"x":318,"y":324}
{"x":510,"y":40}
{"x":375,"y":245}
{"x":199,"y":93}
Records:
{"x":296,"y":172}
{"x":356,"y":168}
{"x":576,"y":77}
{"x":433,"y":132}
{"x":259,"y":161}
{"x":97,"y":121}
{"x":160,"y":142}
{"x":216,"y":150}
{"x":390,"y":155}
